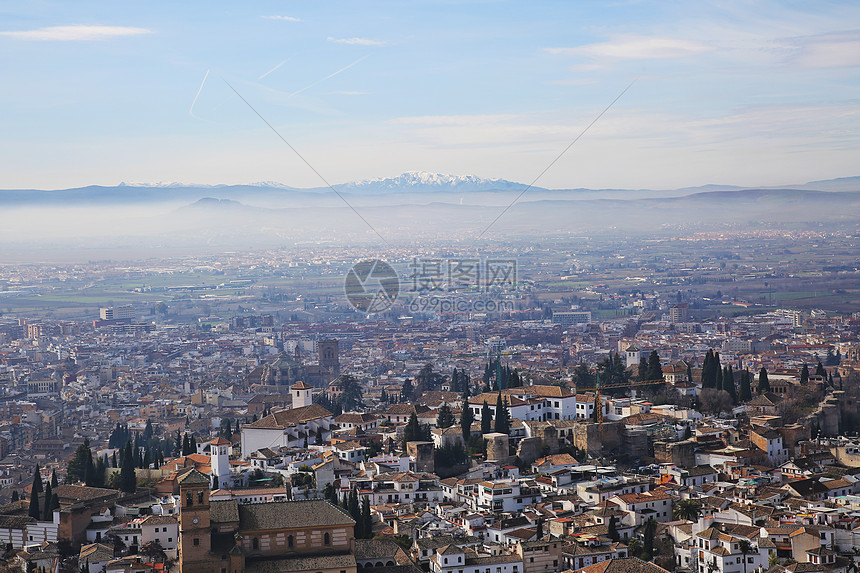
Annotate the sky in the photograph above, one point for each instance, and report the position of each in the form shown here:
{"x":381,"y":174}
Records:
{"x":742,"y":93}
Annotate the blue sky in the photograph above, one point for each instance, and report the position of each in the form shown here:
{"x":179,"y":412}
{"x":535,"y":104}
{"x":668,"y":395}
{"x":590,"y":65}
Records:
{"x":746,"y":93}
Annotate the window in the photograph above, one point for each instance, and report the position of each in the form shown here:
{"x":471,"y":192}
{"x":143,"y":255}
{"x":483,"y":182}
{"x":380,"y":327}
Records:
{"x":200,"y":497}
{"x":189,"y":499}
{"x":327,"y":539}
{"x":290,"y":541}
{"x":196,"y":541}
{"x":255,"y":543}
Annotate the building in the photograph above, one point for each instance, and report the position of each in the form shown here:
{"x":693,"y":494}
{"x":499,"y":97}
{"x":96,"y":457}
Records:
{"x":288,"y":428}
{"x":311,"y":536}
{"x":123,"y":312}
{"x":679,"y":313}
{"x":577,"y":318}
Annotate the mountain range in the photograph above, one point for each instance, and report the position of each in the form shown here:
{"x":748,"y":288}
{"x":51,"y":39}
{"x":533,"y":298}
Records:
{"x":412,"y":207}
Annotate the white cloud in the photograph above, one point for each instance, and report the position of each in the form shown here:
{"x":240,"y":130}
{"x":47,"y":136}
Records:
{"x":840,"y":49}
{"x":356,"y":41}
{"x":76,"y":33}
{"x":283,"y":18}
{"x":635,"y":48}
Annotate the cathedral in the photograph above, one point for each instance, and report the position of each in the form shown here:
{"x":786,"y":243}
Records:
{"x":286,"y":370}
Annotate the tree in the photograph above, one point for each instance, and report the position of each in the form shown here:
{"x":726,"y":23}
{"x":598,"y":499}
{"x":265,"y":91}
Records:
{"x":715,"y":401}
{"x":466,"y":419}
{"x":366,"y":520}
{"x":412,"y":431}
{"x":47,"y":513}
{"x":763,"y":384}
{"x":127,"y":478}
{"x":583,"y":378}
{"x":486,"y":419}
{"x":804,"y":374}
{"x":445,"y":418}
{"x":745,"y":389}
{"x":655,"y":369}
{"x":80,"y":464}
{"x":687,"y":509}
{"x":15,"y":496}
{"x":648,"y":543}
{"x":350,"y":396}
{"x":820,"y":371}
{"x":54,"y":482}
{"x":745,"y":547}
{"x":33,"y":511}
{"x":729,"y":383}
{"x":503,"y":416}
{"x":407,"y":390}
{"x":613,"y":529}
{"x":709,"y":376}
{"x":37,"y":480}
{"x":643,"y":368}
{"x":154,"y":551}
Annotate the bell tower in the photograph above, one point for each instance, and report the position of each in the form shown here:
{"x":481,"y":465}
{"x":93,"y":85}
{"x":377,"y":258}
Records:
{"x":195,"y":541}
{"x":301,"y":394}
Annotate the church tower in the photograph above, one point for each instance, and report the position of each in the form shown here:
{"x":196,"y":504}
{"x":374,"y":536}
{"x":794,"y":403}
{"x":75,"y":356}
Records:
{"x":302,"y":394}
{"x":328,"y":357}
{"x":195,"y":542}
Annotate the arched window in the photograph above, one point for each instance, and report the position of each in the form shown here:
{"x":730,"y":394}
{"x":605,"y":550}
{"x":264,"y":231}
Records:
{"x":290,"y":541}
{"x":189,"y":499}
{"x":255,"y":543}
{"x":326,"y":539}
{"x":200,"y":497}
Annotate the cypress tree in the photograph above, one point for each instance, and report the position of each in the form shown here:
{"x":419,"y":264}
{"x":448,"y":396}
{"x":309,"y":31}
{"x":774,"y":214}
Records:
{"x":486,"y":419}
{"x":127,"y":479}
{"x":655,"y":369}
{"x":466,"y":419}
{"x":54,"y":482}
{"x":15,"y":496}
{"x":366,"y":520}
{"x":47,"y":514}
{"x":503,"y":416}
{"x":763,"y":384}
{"x":804,"y":374}
{"x":729,"y":383}
{"x":353,"y":506}
{"x":37,"y":480}
{"x":34,"y":505}
{"x":613,"y":529}
{"x":820,"y":371}
{"x":707,"y":365}
{"x":745,"y":390}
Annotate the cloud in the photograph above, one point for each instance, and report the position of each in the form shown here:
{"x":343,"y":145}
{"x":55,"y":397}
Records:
{"x":635,"y":48}
{"x":356,"y":41}
{"x":76,"y":33}
{"x":836,"y":50}
{"x":283,"y":18}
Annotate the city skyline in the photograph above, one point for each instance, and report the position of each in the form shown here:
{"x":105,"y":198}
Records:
{"x":735,"y":94}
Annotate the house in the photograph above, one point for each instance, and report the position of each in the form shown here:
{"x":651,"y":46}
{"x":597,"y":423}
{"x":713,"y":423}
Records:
{"x":288,"y":428}
{"x":640,"y":507}
{"x":623,"y":565}
{"x":723,"y":553}
{"x":96,"y":556}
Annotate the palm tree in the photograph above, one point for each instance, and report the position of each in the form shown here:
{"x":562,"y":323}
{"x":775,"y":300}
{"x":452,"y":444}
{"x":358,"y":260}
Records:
{"x":687,"y":509}
{"x":745,"y":547}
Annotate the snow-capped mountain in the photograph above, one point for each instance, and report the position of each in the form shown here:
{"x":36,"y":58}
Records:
{"x":422,"y":181}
